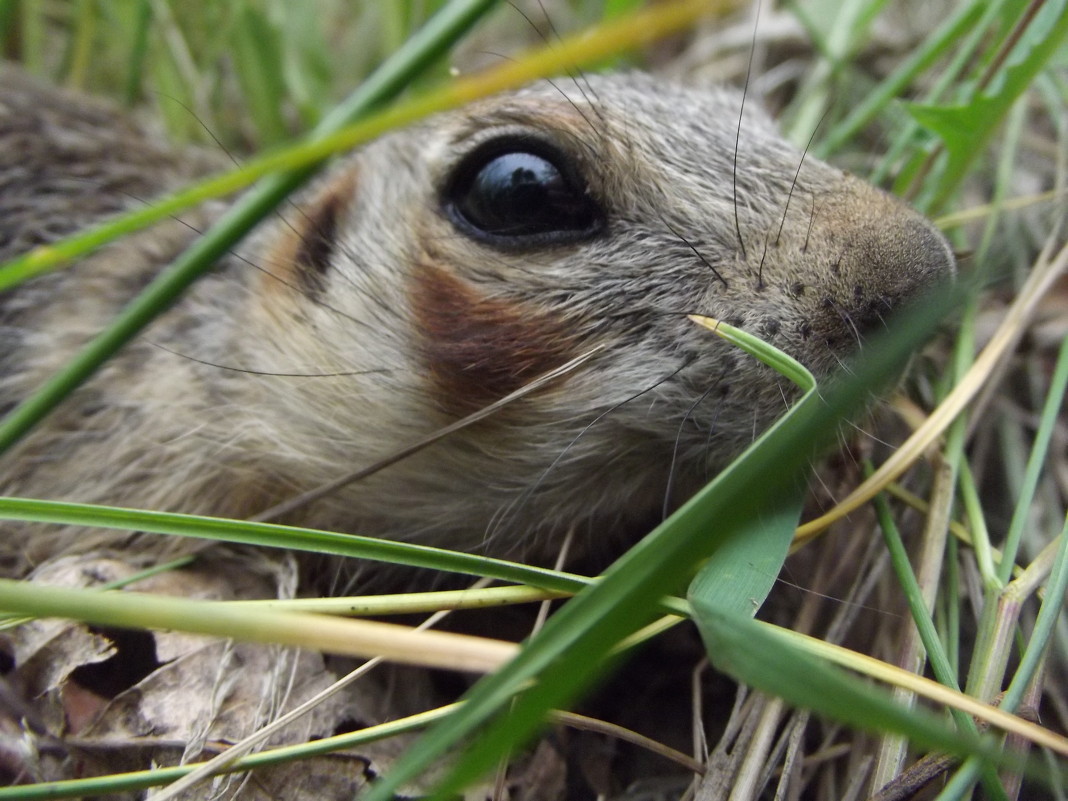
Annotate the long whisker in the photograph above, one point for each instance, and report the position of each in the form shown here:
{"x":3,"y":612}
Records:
{"x":738,"y":136}
{"x":257,"y":266}
{"x":695,"y":251}
{"x":797,"y":173}
{"x":248,"y":371}
{"x":678,"y":438}
{"x":304,"y":499}
{"x":559,"y":457}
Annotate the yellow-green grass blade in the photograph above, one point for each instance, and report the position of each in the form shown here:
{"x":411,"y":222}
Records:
{"x":575,"y":646}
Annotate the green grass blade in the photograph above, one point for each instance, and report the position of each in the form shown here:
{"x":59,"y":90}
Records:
{"x":142,"y":16}
{"x":1052,"y":605}
{"x":891,"y":88}
{"x":782,"y":363}
{"x":258,"y":61}
{"x":155,"y":777}
{"x":1051,"y":609}
{"x":1035,"y":464}
{"x":8,"y":18}
{"x":965,"y":129}
{"x":387,"y":81}
{"x":906,"y":577}
{"x":738,"y":577}
{"x":328,"y":633}
{"x":967,"y":49}
{"x":276,"y":536}
{"x":574,"y":647}
{"x":849,"y":20}
{"x":764,"y":659}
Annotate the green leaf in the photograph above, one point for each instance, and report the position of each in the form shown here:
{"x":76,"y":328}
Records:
{"x":965,"y":129}
{"x":739,"y":576}
{"x":272,"y":535}
{"x":577,"y":645}
{"x":762,"y":658}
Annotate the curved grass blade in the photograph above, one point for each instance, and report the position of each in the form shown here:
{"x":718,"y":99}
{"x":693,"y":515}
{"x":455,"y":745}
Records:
{"x":574,"y":647}
{"x":767,"y":661}
{"x":736,"y":580}
{"x":277,"y":536}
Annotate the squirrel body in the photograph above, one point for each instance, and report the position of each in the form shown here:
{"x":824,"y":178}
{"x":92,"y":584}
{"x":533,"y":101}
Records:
{"x":410,"y":286}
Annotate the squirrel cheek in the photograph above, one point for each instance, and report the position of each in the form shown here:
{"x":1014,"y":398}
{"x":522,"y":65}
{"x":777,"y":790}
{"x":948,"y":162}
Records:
{"x":478,"y":349}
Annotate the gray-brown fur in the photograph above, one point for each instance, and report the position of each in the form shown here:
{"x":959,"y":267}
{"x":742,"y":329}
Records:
{"x":382,"y":315}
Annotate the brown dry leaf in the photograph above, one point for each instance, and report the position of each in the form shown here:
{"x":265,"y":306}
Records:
{"x":135,"y":698}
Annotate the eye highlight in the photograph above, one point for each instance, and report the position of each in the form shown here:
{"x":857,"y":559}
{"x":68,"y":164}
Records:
{"x":513,"y":195}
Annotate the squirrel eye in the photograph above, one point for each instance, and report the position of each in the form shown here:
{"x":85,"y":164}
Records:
{"x":516,"y":198}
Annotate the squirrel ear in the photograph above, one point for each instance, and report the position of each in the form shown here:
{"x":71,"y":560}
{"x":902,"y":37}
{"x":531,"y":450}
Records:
{"x":304,"y":246}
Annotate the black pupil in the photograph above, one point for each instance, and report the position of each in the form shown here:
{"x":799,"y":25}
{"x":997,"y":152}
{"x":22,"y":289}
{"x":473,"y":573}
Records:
{"x":521,"y":194}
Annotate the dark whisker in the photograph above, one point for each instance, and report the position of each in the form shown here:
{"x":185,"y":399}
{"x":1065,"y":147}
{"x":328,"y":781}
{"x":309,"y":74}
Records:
{"x":695,"y":251}
{"x":204,"y":126}
{"x":738,"y":135}
{"x":570,"y":73}
{"x":797,"y":173}
{"x":273,"y":276}
{"x":597,"y":131}
{"x":760,"y":268}
{"x":277,"y":213}
{"x":186,"y":356}
{"x":678,"y":439}
{"x":578,"y":76}
{"x":811,"y":222}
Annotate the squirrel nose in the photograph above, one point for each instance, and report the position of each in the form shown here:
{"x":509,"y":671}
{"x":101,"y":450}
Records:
{"x":905,"y":258}
{"x":915,"y":253}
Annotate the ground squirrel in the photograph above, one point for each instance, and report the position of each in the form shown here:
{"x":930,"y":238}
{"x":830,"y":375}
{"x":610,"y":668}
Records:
{"x":423,"y":277}
{"x":428,"y":274}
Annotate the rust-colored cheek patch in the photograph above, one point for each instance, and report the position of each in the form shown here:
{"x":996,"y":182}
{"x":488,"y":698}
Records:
{"x":478,"y":349}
